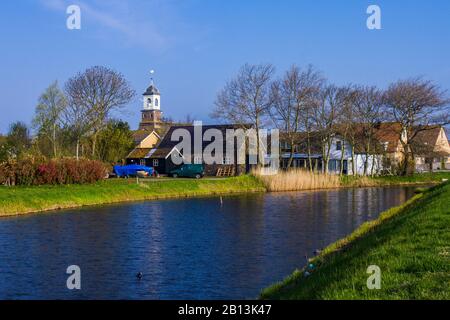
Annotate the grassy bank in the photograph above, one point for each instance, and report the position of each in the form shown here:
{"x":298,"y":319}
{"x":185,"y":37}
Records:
{"x":19,"y":200}
{"x":410,"y":244}
{"x":420,"y":178}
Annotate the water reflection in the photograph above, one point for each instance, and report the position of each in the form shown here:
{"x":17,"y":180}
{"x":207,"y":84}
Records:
{"x":186,"y":249}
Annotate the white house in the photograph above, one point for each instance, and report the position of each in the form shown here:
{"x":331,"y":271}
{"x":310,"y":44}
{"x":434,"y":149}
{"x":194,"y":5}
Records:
{"x":340,"y":154}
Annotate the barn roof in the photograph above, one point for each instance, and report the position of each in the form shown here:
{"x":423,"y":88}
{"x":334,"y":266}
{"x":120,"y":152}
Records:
{"x":166,"y":145}
{"x":138,"y":153}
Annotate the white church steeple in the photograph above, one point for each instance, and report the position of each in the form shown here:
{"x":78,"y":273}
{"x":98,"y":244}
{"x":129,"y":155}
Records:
{"x":152,"y":97}
{"x":151,"y":111}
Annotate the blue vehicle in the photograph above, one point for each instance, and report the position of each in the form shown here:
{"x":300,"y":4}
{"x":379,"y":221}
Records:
{"x":131,"y":170}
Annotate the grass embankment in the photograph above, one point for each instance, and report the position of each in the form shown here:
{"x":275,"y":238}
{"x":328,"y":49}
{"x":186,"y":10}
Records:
{"x":20,"y":200}
{"x":410,"y":244}
{"x":418,"y":178}
{"x":295,"y":180}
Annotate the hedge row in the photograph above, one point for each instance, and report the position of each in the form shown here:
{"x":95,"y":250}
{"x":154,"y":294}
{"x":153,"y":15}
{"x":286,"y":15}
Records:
{"x":31,"y":171}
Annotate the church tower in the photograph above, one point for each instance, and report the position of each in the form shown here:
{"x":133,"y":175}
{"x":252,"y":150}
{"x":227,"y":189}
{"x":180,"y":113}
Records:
{"x":151,"y":111}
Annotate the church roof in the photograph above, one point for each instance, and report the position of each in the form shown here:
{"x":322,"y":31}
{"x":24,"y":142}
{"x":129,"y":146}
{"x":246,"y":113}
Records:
{"x":151,"y":91}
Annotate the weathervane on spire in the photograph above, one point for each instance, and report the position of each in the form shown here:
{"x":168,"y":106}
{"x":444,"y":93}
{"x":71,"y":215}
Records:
{"x":152,"y":72}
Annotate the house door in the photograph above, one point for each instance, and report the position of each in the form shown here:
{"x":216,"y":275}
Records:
{"x":345,"y":169}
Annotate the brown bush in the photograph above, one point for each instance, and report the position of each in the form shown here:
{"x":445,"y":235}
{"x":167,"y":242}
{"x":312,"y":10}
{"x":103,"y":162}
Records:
{"x":38,"y":171}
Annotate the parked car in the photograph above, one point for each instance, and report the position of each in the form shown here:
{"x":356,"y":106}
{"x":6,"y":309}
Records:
{"x":132,"y":170}
{"x":189,"y":171}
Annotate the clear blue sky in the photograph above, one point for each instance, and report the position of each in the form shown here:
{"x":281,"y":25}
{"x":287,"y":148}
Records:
{"x":195,"y":46}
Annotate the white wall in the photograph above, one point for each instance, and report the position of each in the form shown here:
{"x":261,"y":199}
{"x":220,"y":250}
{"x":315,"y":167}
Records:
{"x":376,"y":160}
{"x":152,"y":106}
{"x":337,"y":154}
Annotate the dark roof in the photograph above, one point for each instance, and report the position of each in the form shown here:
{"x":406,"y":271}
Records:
{"x":140,"y":135}
{"x":301,"y":140}
{"x":139,"y":153}
{"x":166,"y":145}
{"x":428,"y":136}
{"x":151,"y":91}
{"x":160,"y":153}
{"x":425,"y":141}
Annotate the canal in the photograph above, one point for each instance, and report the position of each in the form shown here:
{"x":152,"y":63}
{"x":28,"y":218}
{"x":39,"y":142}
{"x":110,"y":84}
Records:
{"x":201,"y":248}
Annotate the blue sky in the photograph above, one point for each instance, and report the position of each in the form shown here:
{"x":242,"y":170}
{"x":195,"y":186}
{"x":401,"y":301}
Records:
{"x":195,"y":46}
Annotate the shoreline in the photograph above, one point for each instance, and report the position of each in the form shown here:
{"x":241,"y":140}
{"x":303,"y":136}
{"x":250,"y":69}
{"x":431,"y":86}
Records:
{"x":120,"y":192}
{"x":298,"y":286}
{"x":118,"y":202}
{"x":17,"y":201}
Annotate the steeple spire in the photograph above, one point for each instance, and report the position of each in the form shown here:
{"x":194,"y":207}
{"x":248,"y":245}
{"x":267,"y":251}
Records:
{"x":151,"y":111}
{"x":151,"y":79}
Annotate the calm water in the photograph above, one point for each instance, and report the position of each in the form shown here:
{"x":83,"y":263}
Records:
{"x":186,"y":249}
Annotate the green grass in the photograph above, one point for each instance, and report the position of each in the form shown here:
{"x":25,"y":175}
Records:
{"x":410,"y":243}
{"x":19,"y":200}
{"x":418,"y":178}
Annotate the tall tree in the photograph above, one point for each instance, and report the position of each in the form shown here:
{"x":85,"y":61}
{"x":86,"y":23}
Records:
{"x":95,"y":94}
{"x":348,"y":126}
{"x":4,"y":149}
{"x":326,"y":116}
{"x":292,"y":97}
{"x":417,"y":105}
{"x":18,"y":139}
{"x":76,"y":124}
{"x":369,"y":113}
{"x":247,"y":98}
{"x":47,"y":120}
{"x":115,"y":141}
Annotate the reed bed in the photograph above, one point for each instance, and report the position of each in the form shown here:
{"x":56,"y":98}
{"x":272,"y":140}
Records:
{"x":296,"y":179}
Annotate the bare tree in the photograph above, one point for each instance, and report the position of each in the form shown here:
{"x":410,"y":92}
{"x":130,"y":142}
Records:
{"x":369,"y":113}
{"x":95,"y":94}
{"x":246,"y":99}
{"x":48,"y":115}
{"x":326,"y":116}
{"x":417,"y":105}
{"x":76,"y":123}
{"x":347,"y":126}
{"x":292,"y":97}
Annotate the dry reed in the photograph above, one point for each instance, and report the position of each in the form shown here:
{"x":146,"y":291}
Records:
{"x":296,"y":179}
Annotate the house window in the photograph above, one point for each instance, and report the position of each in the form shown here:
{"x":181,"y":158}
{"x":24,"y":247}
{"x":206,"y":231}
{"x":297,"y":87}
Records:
{"x":149,"y":101}
{"x":155,"y":162}
{"x":332,"y":166}
{"x":227,"y":160}
{"x":156,"y":102}
{"x":338,"y":145}
{"x":142,"y":162}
